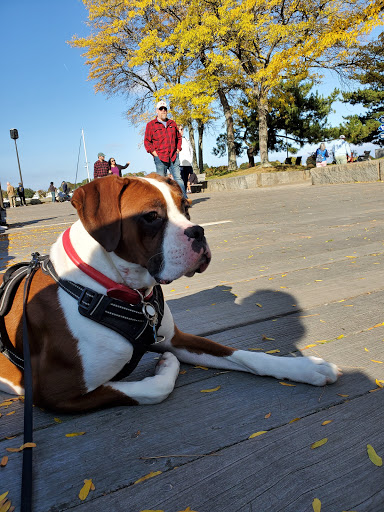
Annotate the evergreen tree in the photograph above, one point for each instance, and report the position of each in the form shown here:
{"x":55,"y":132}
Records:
{"x":363,"y":128}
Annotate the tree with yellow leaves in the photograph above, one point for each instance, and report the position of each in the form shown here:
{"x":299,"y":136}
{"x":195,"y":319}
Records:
{"x":197,"y":50}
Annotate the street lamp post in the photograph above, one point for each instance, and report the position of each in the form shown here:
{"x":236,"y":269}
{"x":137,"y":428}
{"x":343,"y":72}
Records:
{"x":15,"y":135}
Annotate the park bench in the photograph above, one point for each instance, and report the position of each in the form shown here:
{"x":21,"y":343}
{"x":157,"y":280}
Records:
{"x":202,"y":183}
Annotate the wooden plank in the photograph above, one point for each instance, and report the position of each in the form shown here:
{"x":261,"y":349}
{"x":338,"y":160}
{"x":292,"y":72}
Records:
{"x":277,"y":471}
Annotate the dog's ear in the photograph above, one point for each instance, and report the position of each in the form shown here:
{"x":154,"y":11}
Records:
{"x":98,"y":206}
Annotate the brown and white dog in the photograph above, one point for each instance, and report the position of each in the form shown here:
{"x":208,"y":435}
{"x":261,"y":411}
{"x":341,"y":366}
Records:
{"x":137,"y":232}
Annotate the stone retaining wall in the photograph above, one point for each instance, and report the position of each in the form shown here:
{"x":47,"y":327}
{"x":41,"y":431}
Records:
{"x":350,"y":173}
{"x":262,"y":179}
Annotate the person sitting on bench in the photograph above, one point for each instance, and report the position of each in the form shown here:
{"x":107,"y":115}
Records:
{"x":192,"y":180}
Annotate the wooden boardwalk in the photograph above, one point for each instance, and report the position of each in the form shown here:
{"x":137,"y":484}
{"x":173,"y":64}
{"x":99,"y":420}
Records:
{"x":296,"y":269}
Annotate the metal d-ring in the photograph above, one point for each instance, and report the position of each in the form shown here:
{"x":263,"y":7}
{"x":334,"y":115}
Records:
{"x":150,"y":313}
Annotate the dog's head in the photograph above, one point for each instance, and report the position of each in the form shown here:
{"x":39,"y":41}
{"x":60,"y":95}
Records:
{"x":144,"y":221}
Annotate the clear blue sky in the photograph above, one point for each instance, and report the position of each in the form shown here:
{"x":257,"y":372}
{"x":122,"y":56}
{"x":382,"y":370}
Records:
{"x":45,"y":94}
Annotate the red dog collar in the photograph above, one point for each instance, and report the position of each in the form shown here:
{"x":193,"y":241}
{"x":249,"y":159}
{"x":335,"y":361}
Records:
{"x":114,"y":290}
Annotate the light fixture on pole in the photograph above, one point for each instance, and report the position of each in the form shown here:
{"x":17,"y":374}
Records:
{"x":15,"y":135}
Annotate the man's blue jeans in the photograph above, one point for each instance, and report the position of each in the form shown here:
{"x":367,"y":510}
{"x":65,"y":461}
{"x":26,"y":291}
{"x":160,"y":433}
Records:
{"x":174,"y":169}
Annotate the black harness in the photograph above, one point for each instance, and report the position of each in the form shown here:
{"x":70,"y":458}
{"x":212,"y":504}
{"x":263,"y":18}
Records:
{"x":138,"y":323}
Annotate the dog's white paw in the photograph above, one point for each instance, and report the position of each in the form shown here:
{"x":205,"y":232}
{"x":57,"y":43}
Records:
{"x":315,"y":371}
{"x":167,"y":364}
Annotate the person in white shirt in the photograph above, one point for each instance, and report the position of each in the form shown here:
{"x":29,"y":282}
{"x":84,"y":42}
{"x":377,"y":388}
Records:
{"x":341,"y":150}
{"x":185,"y":156}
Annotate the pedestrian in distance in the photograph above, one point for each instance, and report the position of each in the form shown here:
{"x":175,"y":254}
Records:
{"x":115,"y":168}
{"x":321,"y":156}
{"x":11,"y":193}
{"x":100,"y":167}
{"x":21,"y":194}
{"x":185,"y":157}
{"x":163,"y":141}
{"x":64,"y":187}
{"x":52,"y":190}
{"x":341,"y":150}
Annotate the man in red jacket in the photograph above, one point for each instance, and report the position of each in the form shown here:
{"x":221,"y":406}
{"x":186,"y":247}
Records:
{"x":163,"y":141}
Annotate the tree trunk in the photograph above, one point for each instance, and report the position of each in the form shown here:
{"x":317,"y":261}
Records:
{"x":200,"y":129}
{"x":262,"y":105}
{"x":232,"y":164}
{"x":191,"y":133}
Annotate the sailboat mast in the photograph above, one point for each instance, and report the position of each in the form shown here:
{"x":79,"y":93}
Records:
{"x":85,"y":153}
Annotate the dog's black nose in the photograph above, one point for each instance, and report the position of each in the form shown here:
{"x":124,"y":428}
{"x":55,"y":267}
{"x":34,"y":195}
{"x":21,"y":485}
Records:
{"x":196,"y":232}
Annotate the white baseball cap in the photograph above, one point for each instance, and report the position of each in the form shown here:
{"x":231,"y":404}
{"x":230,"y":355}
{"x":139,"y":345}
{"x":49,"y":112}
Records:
{"x":161,"y":104}
{"x":342,"y":136}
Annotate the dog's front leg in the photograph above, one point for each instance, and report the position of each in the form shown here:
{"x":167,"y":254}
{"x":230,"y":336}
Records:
{"x":193,"y":349}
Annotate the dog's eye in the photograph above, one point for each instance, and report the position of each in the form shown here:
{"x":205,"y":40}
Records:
{"x":151,"y":216}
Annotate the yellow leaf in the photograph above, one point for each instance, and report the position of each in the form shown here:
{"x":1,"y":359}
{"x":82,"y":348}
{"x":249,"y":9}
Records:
{"x":378,"y":461}
{"x":255,"y":349}
{"x":84,"y":491}
{"x":326,"y":422}
{"x":294,"y":419}
{"x":339,"y":337}
{"x":257,"y":434}
{"x":316,"y":505}
{"x":259,"y":305}
{"x":3,"y":462}
{"x":274,"y":351}
{"x":310,"y":346}
{"x":365,"y":348}
{"x":58,"y":420}
{"x":9,"y":413}
{"x":188,"y":509}
{"x":201,"y":367}
{"x":210,"y":390}
{"x":287,"y":384}
{"x":319,"y":443}
{"x":374,"y":361}
{"x":147,"y":510}
{"x":264,"y":337}
{"x":4,"y":507}
{"x":26,"y":445}
{"x":267,"y":415}
{"x":379,"y":383}
{"x":146,"y":477}
{"x":74,"y":434}
{"x":2,"y":496}
{"x":344,"y":396}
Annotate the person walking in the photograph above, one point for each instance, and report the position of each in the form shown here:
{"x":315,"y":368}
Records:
{"x":100,"y":167}
{"x":321,"y":156}
{"x":11,"y":193}
{"x":185,"y":157}
{"x":163,"y":141}
{"x":52,"y":190}
{"x":115,"y":168}
{"x":21,"y":194}
{"x":341,"y":150}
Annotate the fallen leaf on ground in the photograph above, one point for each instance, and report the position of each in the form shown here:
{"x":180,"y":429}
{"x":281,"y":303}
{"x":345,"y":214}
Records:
{"x":2,"y":496}
{"x":267,"y":415}
{"x":264,"y":337}
{"x":188,"y":509}
{"x":210,"y":390}
{"x":326,"y":422}
{"x":146,"y":477}
{"x":294,"y":419}
{"x":84,"y":491}
{"x":316,"y":505}
{"x":74,"y":434}
{"x":9,"y":413}
{"x":257,"y":434}
{"x":58,"y":420}
{"x":259,"y":305}
{"x":376,"y":459}
{"x":4,"y":461}
{"x":379,"y":383}
{"x":319,"y":443}
{"x":287,"y":384}
{"x":344,"y":396}
{"x":147,"y":510}
{"x":274,"y":351}
{"x":26,"y":445}
{"x":201,"y":367}
{"x":374,"y":361}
